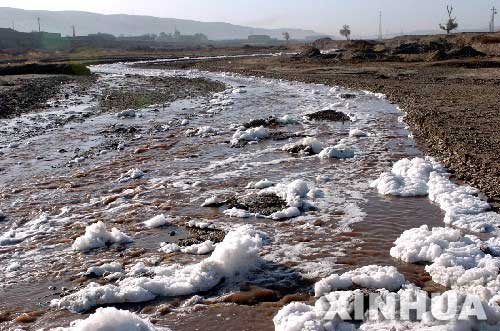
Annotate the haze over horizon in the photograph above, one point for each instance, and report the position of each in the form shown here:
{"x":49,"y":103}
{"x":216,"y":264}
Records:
{"x":324,"y":16}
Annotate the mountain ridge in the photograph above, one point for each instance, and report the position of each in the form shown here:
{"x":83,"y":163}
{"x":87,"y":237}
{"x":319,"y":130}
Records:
{"x":125,"y":24}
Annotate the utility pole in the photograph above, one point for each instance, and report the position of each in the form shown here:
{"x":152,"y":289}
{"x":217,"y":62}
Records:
{"x":74,"y":33}
{"x":380,"y":35}
{"x":492,"y":22}
{"x":13,"y":25}
{"x":39,"y":27}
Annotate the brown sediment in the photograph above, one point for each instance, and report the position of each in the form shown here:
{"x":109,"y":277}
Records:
{"x":263,"y":204}
{"x":452,"y":106}
{"x":329,"y":115}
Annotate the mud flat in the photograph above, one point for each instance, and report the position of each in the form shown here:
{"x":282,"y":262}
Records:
{"x":452,"y":106}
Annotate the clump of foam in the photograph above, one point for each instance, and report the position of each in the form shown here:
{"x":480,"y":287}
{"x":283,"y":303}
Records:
{"x":326,"y":313}
{"x":309,"y":145}
{"x":239,"y":213}
{"x":295,"y":194}
{"x":112,"y":319}
{"x":105,"y":268}
{"x":287,"y":119}
{"x":213,"y":201}
{"x":265,"y":183}
{"x":169,"y":248}
{"x":357,"y":133}
{"x":419,"y":177}
{"x":156,"y":222}
{"x":201,"y":224}
{"x":372,"y":277}
{"x":407,"y":178}
{"x":457,"y":261}
{"x":337,"y":152}
{"x":251,"y":134}
{"x":97,"y":236}
{"x":131,"y":174}
{"x":202,"y":131}
{"x":300,"y":316}
{"x":233,"y":257}
{"x":239,"y":91}
{"x":424,"y":245}
{"x":199,"y":249}
{"x":289,"y":212}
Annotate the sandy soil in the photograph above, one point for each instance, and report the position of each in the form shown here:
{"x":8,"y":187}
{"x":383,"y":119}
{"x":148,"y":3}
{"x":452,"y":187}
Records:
{"x":452,"y":106}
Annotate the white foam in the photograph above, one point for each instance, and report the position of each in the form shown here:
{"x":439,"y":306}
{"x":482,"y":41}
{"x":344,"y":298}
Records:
{"x":337,"y":152}
{"x":457,"y":261}
{"x":233,"y":257}
{"x":287,"y":119}
{"x":251,"y":134}
{"x":169,"y":248}
{"x":105,"y":268}
{"x":265,"y":183}
{"x":419,"y":177}
{"x":312,"y":143}
{"x":407,"y":178}
{"x":199,"y":249}
{"x":213,"y":201}
{"x":156,"y":222}
{"x":240,"y":213}
{"x":112,"y":319}
{"x":131,"y":174}
{"x":372,"y":277}
{"x":96,"y":236}
{"x":202,"y":131}
{"x":289,"y":212}
{"x":357,"y":133}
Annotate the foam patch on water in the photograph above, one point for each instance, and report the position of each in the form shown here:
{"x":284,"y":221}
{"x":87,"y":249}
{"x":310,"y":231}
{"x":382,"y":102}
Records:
{"x":157,"y":221}
{"x":457,"y":261}
{"x":97,"y":236}
{"x":372,"y":277}
{"x":426,"y":177}
{"x":309,"y":143}
{"x":248,"y":135}
{"x":234,"y":256}
{"x":111,"y":319}
{"x":298,"y":316}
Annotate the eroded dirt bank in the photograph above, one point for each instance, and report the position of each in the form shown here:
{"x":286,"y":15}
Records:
{"x":452,"y":106}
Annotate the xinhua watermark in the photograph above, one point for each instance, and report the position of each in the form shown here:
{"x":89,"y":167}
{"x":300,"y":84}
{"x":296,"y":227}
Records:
{"x":409,"y":306}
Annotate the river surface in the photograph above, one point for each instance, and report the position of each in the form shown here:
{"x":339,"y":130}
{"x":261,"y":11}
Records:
{"x":48,"y":195}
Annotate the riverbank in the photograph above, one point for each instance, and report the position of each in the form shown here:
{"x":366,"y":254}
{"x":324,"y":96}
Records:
{"x":452,"y":106}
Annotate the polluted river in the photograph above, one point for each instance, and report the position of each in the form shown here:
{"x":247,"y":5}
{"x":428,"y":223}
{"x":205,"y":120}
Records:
{"x":233,"y":210}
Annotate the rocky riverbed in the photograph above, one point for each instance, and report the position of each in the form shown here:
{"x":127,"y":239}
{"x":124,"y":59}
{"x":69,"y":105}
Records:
{"x":452,"y":106}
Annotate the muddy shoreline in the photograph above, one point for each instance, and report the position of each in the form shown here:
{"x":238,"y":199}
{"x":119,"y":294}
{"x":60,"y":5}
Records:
{"x":22,"y":94}
{"x":452,"y":106}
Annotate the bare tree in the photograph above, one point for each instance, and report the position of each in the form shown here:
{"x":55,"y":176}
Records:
{"x":452,"y":21}
{"x":346,"y":31}
{"x":286,"y":35}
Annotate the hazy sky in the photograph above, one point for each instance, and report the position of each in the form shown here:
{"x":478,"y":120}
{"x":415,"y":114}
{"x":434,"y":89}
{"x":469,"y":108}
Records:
{"x":324,"y":16}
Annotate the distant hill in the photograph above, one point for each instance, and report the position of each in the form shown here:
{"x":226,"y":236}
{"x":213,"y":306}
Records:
{"x":130,"y":25}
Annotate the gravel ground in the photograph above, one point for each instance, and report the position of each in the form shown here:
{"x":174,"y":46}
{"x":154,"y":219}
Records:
{"x":27,"y":93}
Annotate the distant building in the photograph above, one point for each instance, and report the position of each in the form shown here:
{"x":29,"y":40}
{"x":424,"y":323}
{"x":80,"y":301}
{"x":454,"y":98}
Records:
{"x":177,"y":37}
{"x":12,"y":39}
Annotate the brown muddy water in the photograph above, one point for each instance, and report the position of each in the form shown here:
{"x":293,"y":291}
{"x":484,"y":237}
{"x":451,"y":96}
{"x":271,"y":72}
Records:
{"x":56,"y":181}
